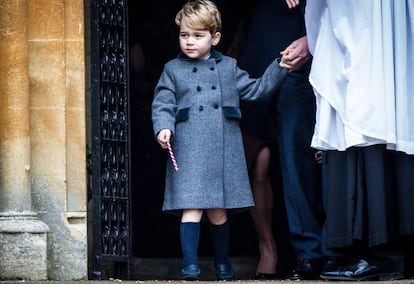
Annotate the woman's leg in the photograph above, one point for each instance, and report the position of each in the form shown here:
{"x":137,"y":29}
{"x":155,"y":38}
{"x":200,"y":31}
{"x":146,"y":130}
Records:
{"x":262,"y":212}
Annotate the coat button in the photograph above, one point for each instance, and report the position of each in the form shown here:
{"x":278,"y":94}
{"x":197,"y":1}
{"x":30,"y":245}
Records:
{"x":216,"y":106}
{"x":200,"y":108}
{"x":198,"y":88}
{"x":194,"y":69}
{"x":213,"y":87}
{"x":212,"y":68}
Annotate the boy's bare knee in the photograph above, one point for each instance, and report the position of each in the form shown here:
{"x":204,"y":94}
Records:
{"x":217,"y":216}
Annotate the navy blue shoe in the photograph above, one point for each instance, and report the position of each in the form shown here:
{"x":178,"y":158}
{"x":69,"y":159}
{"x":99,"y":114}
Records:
{"x":224,"y":271}
{"x":190,"y":272}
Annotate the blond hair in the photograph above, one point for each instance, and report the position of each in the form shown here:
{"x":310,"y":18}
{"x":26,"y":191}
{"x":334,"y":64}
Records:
{"x":200,"y":15}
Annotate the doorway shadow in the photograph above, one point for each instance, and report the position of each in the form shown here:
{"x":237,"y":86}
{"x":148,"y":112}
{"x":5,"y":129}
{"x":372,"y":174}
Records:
{"x":153,"y":40}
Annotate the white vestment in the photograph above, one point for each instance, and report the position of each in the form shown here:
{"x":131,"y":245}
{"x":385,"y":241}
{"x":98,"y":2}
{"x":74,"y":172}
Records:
{"x":362,"y":72}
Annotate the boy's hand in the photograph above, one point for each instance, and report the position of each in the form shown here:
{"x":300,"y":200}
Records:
{"x":284,"y":65}
{"x":163,"y":137}
{"x":296,"y":54}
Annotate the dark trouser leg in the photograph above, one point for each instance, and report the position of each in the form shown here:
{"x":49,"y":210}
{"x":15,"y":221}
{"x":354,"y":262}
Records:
{"x":301,"y":178}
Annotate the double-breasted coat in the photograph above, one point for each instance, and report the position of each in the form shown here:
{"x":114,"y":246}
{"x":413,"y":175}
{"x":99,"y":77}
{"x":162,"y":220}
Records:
{"x":198,"y":100}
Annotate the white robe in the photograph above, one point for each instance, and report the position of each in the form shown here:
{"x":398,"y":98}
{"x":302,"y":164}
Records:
{"x":362,"y":72}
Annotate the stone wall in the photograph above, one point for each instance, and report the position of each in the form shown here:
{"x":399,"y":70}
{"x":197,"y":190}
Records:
{"x":50,"y":147}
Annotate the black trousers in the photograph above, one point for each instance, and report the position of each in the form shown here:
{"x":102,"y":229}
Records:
{"x":370,"y":192}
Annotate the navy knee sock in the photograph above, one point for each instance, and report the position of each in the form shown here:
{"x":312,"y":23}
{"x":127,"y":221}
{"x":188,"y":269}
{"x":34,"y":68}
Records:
{"x":189,"y":236}
{"x":220,"y":236}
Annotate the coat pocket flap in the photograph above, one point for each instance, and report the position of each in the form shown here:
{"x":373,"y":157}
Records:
{"x":182,"y":114}
{"x":232,"y":112}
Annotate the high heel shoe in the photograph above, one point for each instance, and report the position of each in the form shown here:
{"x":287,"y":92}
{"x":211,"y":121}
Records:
{"x":264,"y":276}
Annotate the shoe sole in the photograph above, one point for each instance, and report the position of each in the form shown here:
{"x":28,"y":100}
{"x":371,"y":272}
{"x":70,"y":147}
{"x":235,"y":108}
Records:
{"x":378,"y":276}
{"x":225,"y":278}
{"x":190,"y":278}
{"x":264,"y":276}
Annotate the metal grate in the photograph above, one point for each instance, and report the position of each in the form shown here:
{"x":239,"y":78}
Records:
{"x":110,"y":145}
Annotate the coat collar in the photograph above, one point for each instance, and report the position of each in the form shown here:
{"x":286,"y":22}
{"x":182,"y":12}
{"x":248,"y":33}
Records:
{"x":216,"y":55}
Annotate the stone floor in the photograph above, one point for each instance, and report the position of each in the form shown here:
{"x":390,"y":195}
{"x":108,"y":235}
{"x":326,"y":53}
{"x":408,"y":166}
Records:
{"x":169,"y":268}
{"x":160,"y":271}
{"x":406,"y":281}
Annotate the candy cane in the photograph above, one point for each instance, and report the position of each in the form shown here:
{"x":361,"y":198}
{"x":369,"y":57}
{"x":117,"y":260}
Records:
{"x":170,"y":151}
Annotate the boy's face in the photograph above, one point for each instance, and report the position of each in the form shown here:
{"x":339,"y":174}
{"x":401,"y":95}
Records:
{"x":196,"y":44}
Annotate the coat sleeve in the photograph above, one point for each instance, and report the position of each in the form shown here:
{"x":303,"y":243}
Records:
{"x":164,"y":105}
{"x":252,"y":89}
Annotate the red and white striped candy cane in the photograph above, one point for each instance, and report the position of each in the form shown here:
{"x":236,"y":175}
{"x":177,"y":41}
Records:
{"x":170,"y":151}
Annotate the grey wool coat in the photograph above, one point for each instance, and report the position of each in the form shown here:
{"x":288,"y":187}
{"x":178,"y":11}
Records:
{"x":198,"y":100}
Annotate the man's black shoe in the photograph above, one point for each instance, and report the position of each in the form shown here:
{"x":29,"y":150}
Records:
{"x":332,"y":263}
{"x":306,"y":269}
{"x":361,"y":269}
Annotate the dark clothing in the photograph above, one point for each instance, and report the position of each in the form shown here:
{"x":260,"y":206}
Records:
{"x":267,"y":36}
{"x":372,"y":181}
{"x":295,"y":112}
{"x":273,"y":27}
{"x":404,"y":185}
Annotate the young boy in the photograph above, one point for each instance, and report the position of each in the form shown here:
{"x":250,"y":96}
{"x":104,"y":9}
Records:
{"x":196,"y":108}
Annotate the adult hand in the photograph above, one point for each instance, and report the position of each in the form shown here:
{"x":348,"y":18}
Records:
{"x":163,"y":137}
{"x":292,"y":3}
{"x":296,"y":54}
